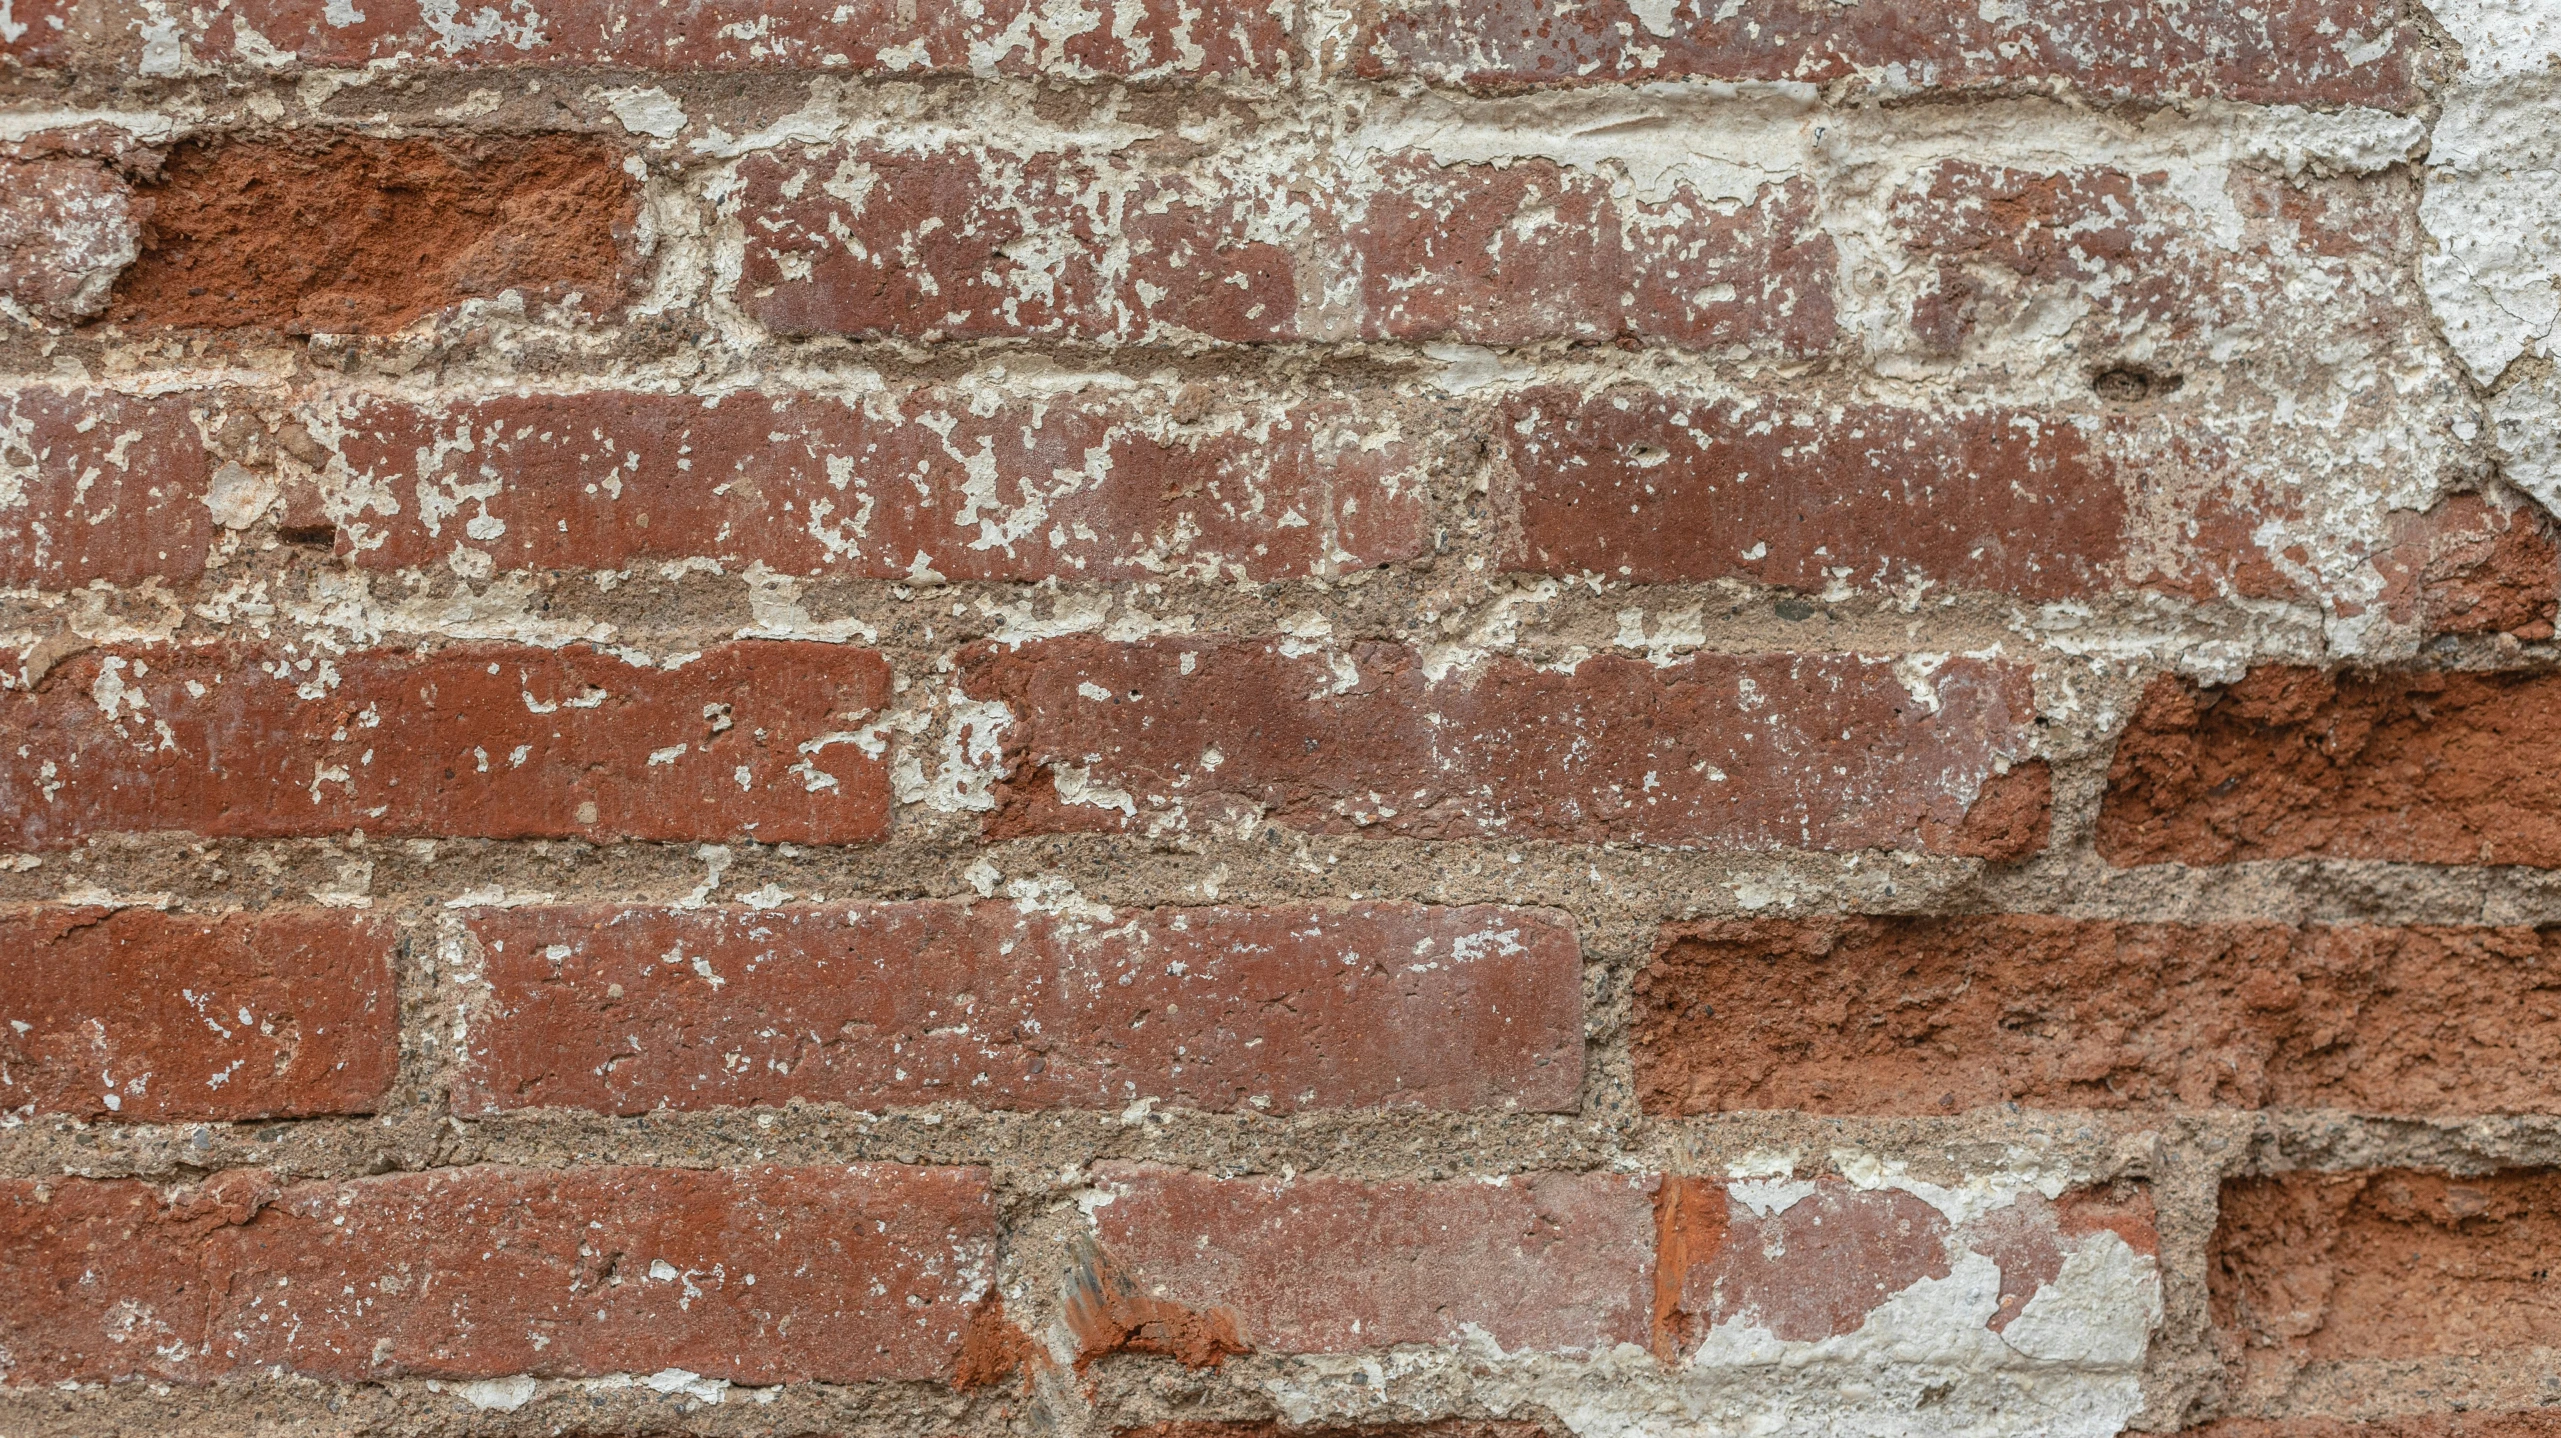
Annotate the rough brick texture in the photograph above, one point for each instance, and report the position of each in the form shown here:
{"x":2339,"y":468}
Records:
{"x":2421,"y":767}
{"x":2388,"y":1263}
{"x":150,"y":1016}
{"x":1271,"y":1010}
{"x":363,"y":236}
{"x":1932,"y":1015}
{"x":492,"y":740}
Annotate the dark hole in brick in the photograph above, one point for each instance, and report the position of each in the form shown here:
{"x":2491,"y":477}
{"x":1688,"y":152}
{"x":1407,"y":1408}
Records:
{"x":309,"y":536}
{"x":2130,"y":384}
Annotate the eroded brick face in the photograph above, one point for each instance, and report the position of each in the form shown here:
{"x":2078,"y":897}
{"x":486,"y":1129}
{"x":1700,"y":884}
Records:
{"x":2387,"y":1263}
{"x":1272,"y":1010}
{"x":363,"y":236}
{"x":1940,"y":1015}
{"x":2418,"y":767}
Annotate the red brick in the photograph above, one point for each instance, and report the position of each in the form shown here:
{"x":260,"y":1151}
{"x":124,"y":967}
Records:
{"x":2409,"y":1425}
{"x":392,"y":743}
{"x":2427,"y":768}
{"x":365,"y":235}
{"x":2468,"y":566}
{"x":67,"y":228}
{"x":2388,"y":1264}
{"x":969,"y":242}
{"x":157,"y":1017}
{"x":874,"y":1005}
{"x":1825,"y":751}
{"x":2331,"y":52}
{"x":1544,"y":1262}
{"x":1533,"y":250}
{"x":1931,"y":1015}
{"x":1638,"y":485}
{"x":1811,"y":1260}
{"x":759,"y":1275}
{"x":1156,"y":40}
{"x":106,"y":486}
{"x":1096,"y":485}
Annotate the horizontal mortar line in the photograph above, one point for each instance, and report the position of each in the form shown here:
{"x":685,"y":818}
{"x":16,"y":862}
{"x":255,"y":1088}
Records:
{"x":1026,"y":1148}
{"x":1327,"y":1142}
{"x":2072,"y":883}
{"x":1338,"y":90}
{"x":1736,"y":620}
{"x":850,"y":367}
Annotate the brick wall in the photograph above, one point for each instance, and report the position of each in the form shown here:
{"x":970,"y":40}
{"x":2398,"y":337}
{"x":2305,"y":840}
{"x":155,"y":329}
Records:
{"x":1428,"y":719}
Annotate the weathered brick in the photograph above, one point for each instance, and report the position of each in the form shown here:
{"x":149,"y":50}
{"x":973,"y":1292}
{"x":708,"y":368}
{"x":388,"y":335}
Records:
{"x":758,"y":1275}
{"x":1534,"y":250}
{"x":970,"y":241}
{"x":748,"y":740}
{"x":2403,"y":1426}
{"x":1150,"y":41}
{"x":155,"y":1017}
{"x":67,"y":229}
{"x":1930,"y":1015}
{"x":2140,"y":265}
{"x":1637,"y":485}
{"x":365,"y":235}
{"x":1094,"y":485}
{"x":95,"y":484}
{"x":1825,"y":751}
{"x":2388,"y":1263}
{"x":1542,"y":1262}
{"x":1445,"y":1428}
{"x":2419,"y":767}
{"x":2332,"y":52}
{"x":1807,"y":1260}
{"x":2530,"y":1424}
{"x":1274,"y":1429}
{"x":1275,"y":1010}
{"x":2469,"y":566}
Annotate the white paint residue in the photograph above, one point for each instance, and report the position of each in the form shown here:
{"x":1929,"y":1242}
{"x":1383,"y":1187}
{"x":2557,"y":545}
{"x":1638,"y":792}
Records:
{"x":652,"y":112}
{"x":2493,"y":209}
{"x":691,"y":1384}
{"x":1968,"y":1199}
{"x":498,"y":1395}
{"x":2101,"y":1308}
{"x":1769,"y":1197}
